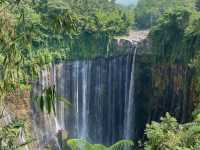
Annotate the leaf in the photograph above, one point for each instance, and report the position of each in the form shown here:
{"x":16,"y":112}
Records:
{"x":48,"y":103}
{"x":64,"y":100}
{"x":121,"y":144}
{"x":41,"y":102}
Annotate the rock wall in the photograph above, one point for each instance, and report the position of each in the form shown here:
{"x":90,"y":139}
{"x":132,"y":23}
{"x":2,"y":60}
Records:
{"x":18,"y":107}
{"x":101,"y":95}
{"x":97,"y":89}
{"x":159,"y":88}
{"x":162,"y":88}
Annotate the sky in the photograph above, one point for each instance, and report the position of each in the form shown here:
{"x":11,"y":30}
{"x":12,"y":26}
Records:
{"x":126,"y":2}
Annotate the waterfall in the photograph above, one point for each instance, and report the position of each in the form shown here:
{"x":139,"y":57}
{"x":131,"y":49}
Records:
{"x":84,"y":133}
{"x":129,"y":104}
{"x":76,"y":97}
{"x":101,"y":96}
{"x":58,"y":73}
{"x":80,"y":96}
{"x":47,"y":126}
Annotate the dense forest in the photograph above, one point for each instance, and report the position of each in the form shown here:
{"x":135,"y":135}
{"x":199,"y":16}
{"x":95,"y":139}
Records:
{"x":35,"y":34}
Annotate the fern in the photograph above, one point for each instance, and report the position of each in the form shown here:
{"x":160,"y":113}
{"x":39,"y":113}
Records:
{"x":79,"y":144}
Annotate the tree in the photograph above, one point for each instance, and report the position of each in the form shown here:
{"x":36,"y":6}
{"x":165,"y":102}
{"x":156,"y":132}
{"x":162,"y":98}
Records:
{"x":100,"y":20}
{"x":25,"y":48}
{"x":23,"y":31}
{"x":170,"y":135}
{"x":148,"y":11}
{"x":197,"y":4}
{"x":168,"y":35}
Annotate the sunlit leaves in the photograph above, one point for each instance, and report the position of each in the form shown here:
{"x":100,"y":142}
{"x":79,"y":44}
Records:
{"x":170,"y":135}
{"x":113,"y":23}
{"x":22,"y":32}
{"x":78,"y":144}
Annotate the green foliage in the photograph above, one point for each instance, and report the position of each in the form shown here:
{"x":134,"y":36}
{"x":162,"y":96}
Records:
{"x":34,"y":34}
{"x":25,"y":49}
{"x":192,"y":36}
{"x":176,"y":39}
{"x":10,"y":135}
{"x":113,"y":23}
{"x":78,"y":144}
{"x":148,"y":11}
{"x":168,"y":35}
{"x":175,"y":36}
{"x":170,"y":135}
{"x":99,"y":21}
{"x":48,"y":99}
{"x":93,"y":24}
{"x":197,"y":5}
{"x":25,"y":46}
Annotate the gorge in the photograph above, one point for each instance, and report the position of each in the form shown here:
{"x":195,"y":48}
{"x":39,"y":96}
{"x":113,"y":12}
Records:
{"x":99,"y":75}
{"x":113,"y":97}
{"x":101,"y":93}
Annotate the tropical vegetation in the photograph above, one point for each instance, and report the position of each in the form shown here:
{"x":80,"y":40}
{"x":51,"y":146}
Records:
{"x":35,"y":34}
{"x":148,"y":11}
{"x":78,"y":144}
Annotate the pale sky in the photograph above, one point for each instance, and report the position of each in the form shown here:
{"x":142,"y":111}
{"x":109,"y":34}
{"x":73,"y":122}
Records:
{"x":127,"y":2}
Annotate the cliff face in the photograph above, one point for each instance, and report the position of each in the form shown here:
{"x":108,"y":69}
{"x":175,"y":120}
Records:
{"x":161,"y":88}
{"x":18,"y":104}
{"x":101,"y":95}
{"x":110,"y":93}
{"x":172,"y":91}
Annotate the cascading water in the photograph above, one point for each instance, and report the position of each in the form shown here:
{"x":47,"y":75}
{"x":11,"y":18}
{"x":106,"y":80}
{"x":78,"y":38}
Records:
{"x":129,"y":104}
{"x":101,"y":93}
{"x":76,"y":97}
{"x":46,"y":126}
{"x":84,"y":132}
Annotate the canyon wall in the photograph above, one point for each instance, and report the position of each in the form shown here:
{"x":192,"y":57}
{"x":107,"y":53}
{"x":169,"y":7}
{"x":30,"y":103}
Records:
{"x":111,"y":97}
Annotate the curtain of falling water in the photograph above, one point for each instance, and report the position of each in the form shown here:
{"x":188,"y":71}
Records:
{"x":76,"y":69}
{"x":129,"y":104}
{"x":84,"y":71}
{"x":101,"y":93}
{"x":59,"y":78}
{"x":46,"y":125}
